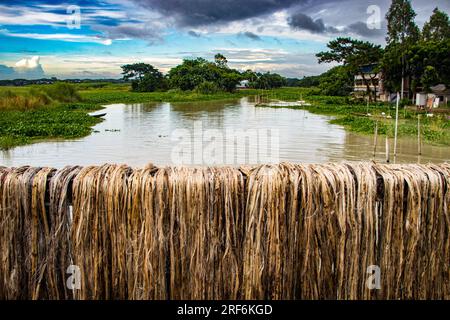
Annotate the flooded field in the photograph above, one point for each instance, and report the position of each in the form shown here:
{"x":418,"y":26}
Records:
{"x":139,"y":134}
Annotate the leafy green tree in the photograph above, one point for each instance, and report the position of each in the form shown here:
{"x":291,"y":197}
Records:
{"x":402,"y":33}
{"x":268,"y":81}
{"x":431,"y":63}
{"x":437,"y":28}
{"x":192,"y":73}
{"x":249,"y":75}
{"x":229,"y":81}
{"x":392,"y":64}
{"x":220,"y":60}
{"x":293,"y":82}
{"x":144,"y":77}
{"x":354,"y":54}
{"x":207,"y":87}
{"x":401,"y":25}
{"x":311,"y":81}
{"x":351,"y":52}
{"x":337,"y":81}
{"x":429,"y":77}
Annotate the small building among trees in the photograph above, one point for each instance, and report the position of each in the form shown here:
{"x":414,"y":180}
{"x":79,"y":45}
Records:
{"x":369,"y":81}
{"x":437,"y":96}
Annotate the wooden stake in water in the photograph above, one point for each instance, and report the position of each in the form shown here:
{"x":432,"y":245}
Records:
{"x":387,"y":149}
{"x":396,"y":125}
{"x":419,"y":144}
{"x":375,"y":140}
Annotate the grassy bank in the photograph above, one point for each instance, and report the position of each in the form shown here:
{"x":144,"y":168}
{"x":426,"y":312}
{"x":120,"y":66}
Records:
{"x":353,"y":116}
{"x":122,"y":94}
{"x":30,"y":114}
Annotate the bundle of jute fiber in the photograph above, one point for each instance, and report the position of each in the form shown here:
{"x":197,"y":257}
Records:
{"x":148,"y":230}
{"x":25,"y":234}
{"x":205,"y":208}
{"x":287,"y":231}
{"x":99,"y":231}
{"x":414,"y":232}
{"x":59,"y":251}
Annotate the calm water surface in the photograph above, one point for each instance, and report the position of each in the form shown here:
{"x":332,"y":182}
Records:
{"x":139,"y":134}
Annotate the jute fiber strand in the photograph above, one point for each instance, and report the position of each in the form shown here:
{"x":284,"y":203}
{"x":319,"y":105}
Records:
{"x":287,"y":231}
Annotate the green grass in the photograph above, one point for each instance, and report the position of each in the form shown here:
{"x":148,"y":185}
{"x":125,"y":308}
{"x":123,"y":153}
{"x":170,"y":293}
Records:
{"x":33,"y":113}
{"x":119,"y":95}
{"x":23,"y":127}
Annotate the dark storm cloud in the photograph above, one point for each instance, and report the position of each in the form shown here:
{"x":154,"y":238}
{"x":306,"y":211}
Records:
{"x":251,"y":35}
{"x":131,"y":31}
{"x":361,"y":29}
{"x":301,"y":21}
{"x":194,"y":34}
{"x":208,"y":12}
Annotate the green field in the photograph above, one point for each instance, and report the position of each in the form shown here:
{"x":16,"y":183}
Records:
{"x":34,"y":113}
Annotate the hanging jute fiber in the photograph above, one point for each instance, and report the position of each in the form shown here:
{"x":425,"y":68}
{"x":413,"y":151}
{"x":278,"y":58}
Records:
{"x":287,"y":231}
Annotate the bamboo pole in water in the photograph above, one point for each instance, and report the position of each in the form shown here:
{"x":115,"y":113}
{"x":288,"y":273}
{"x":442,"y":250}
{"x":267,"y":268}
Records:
{"x":419,"y":143}
{"x":396,"y":126}
{"x":387,"y":149}
{"x":375,"y":141}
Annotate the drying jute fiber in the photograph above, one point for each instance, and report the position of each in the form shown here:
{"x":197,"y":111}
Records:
{"x":287,"y":231}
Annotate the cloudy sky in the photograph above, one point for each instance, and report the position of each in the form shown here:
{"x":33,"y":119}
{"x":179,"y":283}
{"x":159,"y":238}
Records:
{"x":92,"y":39}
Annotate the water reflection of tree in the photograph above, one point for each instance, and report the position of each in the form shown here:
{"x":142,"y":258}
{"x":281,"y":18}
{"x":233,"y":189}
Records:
{"x":144,"y":107}
{"x":212,"y":112}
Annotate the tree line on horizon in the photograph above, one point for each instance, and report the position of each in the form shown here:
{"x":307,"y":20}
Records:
{"x":198,"y":75}
{"x":420,"y":58}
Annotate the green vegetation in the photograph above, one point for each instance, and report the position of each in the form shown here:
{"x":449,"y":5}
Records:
{"x":22,"y":127}
{"x":36,"y":97}
{"x":353,"y":115}
{"x":420,"y":58}
{"x":199,"y":75}
{"x":121,"y":94}
{"x":337,"y":81}
{"x":204,"y":76}
{"x":41,"y":112}
{"x":145,"y":77}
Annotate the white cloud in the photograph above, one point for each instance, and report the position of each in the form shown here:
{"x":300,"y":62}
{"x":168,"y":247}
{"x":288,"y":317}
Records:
{"x":27,"y":68}
{"x":60,"y":36}
{"x":31,"y":63}
{"x":43,"y":15}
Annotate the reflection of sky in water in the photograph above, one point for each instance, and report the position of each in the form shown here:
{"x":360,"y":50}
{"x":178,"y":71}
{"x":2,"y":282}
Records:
{"x":146,"y":136}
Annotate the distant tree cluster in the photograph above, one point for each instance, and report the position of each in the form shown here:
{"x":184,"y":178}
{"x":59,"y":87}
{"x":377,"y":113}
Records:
{"x":338,"y":81}
{"x":198,"y":75}
{"x":310,"y":81}
{"x":144,"y":77}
